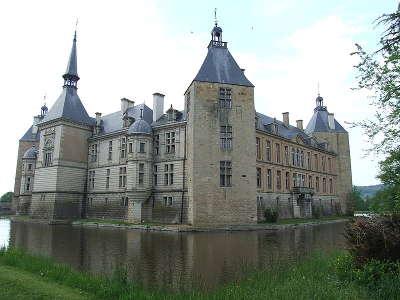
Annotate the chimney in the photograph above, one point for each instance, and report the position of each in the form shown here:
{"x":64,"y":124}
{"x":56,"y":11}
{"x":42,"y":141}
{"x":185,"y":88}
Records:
{"x":98,"y":118}
{"x":299,"y":124}
{"x":331,"y":121}
{"x":285,"y":118}
{"x":158,"y":106}
{"x":36,"y":120}
{"x":125,"y":104}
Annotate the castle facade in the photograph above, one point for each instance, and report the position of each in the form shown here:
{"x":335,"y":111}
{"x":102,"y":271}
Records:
{"x":216,"y":162}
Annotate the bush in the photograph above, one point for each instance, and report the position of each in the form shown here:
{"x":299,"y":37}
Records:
{"x":316,"y":211}
{"x":271,"y":215}
{"x":374,"y":238}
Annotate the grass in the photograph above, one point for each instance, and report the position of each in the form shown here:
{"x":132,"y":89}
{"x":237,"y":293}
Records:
{"x":312,"y":278}
{"x":302,"y":220}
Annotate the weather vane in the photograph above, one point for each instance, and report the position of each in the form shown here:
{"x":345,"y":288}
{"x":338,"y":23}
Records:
{"x":215,"y":16}
{"x":318,"y":87}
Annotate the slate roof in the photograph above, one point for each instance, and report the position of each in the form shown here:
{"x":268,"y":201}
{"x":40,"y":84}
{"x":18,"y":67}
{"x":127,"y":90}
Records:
{"x":72,"y":67}
{"x":68,"y":106}
{"x":319,"y":122}
{"x":114,"y":122}
{"x":31,"y":153}
{"x":140,"y":126}
{"x":219,"y":66}
{"x":29,"y":136}
{"x":288,"y":132}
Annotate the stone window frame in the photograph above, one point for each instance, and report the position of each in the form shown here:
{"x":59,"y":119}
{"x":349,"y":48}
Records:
{"x":124,"y":201}
{"x":259,"y":179}
{"x":268,"y":150}
{"x":123,"y":147}
{"x":130,"y":147}
{"x":269,"y":179}
{"x":225,"y":98}
{"x":156,"y":144}
{"x":278,"y":152}
{"x":93,"y":153}
{"x":168,"y":200}
{"x":170,"y":142}
{"x":287,"y":155}
{"x":278,"y":180}
{"x":168,"y":174}
{"x":92,"y":178}
{"x":330,"y":186}
{"x":287,"y":180}
{"x":28,"y":184}
{"x":110,"y":149}
{"x":317,"y":184}
{"x":310,"y":181}
{"x":324,"y":185}
{"x":142,"y":147}
{"x":225,"y":176}
{"x":141,"y":174}
{"x":48,"y":152}
{"x":108,"y":172}
{"x":225,"y":136}
{"x":122,"y":177}
{"x":30,"y":167}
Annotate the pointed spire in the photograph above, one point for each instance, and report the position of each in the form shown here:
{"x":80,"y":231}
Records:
{"x":71,"y":74}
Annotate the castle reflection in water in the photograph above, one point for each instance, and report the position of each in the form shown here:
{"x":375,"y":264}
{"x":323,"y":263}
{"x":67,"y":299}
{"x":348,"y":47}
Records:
{"x":177,"y":261}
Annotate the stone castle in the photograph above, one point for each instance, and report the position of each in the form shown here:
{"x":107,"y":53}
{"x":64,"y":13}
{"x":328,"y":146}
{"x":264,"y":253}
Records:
{"x":216,"y":162}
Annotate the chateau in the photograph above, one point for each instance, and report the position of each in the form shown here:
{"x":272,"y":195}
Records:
{"x":216,"y":162}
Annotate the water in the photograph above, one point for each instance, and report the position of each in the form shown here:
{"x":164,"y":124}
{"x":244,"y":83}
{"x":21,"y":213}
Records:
{"x":176,"y":261}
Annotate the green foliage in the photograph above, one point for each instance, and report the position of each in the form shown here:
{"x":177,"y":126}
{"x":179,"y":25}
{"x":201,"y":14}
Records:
{"x":357,"y":200}
{"x":271,"y":215}
{"x":374,"y":238}
{"x":7,"y":197}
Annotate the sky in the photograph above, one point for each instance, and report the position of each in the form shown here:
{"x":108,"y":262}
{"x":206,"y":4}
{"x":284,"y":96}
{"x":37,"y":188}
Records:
{"x":135,"y":48}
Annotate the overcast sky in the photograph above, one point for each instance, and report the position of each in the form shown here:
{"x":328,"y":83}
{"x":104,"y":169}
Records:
{"x":135,"y":48}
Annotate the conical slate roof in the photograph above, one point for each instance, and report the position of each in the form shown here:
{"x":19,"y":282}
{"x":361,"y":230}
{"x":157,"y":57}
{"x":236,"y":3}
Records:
{"x":319,"y":122}
{"x":31,"y":153}
{"x":140,"y":126}
{"x":68,"y":106}
{"x":219,"y":66}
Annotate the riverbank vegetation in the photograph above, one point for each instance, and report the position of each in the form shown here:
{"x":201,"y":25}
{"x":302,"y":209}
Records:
{"x":321,"y":276}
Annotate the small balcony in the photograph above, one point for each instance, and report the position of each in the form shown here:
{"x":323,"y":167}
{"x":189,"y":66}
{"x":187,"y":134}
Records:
{"x":302,"y":190}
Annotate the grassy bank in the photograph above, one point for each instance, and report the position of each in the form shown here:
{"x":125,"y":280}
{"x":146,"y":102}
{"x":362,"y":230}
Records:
{"x":311,"y":220}
{"x":23,"y":276}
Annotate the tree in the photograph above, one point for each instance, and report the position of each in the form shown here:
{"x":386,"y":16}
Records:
{"x":379,"y":72}
{"x":7,"y":197}
{"x":357,"y":199}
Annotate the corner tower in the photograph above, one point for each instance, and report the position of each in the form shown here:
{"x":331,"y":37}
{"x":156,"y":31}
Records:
{"x":323,"y":125}
{"x":61,"y":168}
{"x":221,"y":151}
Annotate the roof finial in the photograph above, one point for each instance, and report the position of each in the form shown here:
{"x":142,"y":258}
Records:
{"x":215,"y":17}
{"x":318,"y":88}
{"x":76,"y":28}
{"x":141,"y":113}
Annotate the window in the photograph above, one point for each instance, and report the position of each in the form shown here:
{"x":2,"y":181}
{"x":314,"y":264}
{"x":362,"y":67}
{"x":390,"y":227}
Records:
{"x":28,"y":184}
{"x":310,"y":183}
{"x":258,"y":147}
{"x":302,"y":180}
{"x":293,"y":157}
{"x":268,"y":152}
{"x":124,"y":201}
{"x":308,"y":160}
{"x":93,"y":153}
{"x":91,"y":179}
{"x":168,"y":174}
{"x":287,"y":155}
{"x":110,"y":149}
{"x":107,"y":178}
{"x":317,"y":184}
{"x":105,"y":201}
{"x":302,"y":158}
{"x":297,"y":160}
{"x":170,"y":142}
{"x":278,"y":153}
{"x":278,"y":179}
{"x":329,"y":164}
{"x":287,"y":180}
{"x":141,"y":174}
{"x":330,"y":186}
{"x":324,"y":185}
{"x":142,"y":147}
{"x":123,"y":147}
{"x":122,"y":177}
{"x":323,"y":164}
{"x":155,"y":174}
{"x":295,"y":180}
{"x":167,"y":200}
{"x":316,"y":162}
{"x":29,"y":167}
{"x":226,"y":137}
{"x":225,"y":170}
{"x":157,"y":144}
{"x":259,"y":177}
{"x":48,"y":158}
{"x":130,"y":147}
{"x":225,"y":98}
{"x":269,"y":179}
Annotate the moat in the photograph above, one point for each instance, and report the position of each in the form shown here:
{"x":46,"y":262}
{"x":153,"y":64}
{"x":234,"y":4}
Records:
{"x":175,"y":261}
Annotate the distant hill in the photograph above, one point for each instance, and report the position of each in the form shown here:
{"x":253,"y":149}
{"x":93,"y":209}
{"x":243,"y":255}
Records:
{"x":369,"y":190}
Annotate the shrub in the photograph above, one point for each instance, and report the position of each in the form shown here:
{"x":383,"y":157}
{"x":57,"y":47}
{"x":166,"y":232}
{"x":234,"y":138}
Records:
{"x":316,"y":211}
{"x":271,"y":215}
{"x":374,"y":238}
